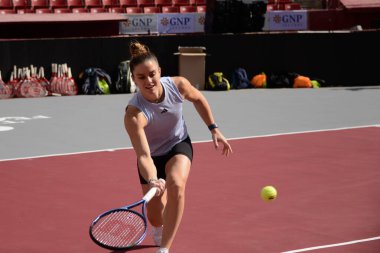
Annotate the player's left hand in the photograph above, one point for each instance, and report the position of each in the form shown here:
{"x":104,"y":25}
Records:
{"x":217,"y":137}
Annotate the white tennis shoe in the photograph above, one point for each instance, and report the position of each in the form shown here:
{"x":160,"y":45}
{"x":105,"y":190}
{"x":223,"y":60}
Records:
{"x":162,"y":250}
{"x":157,"y":237}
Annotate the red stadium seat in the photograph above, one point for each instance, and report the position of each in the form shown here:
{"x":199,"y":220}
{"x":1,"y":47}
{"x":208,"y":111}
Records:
{"x":93,"y":3}
{"x":110,"y":3}
{"x":125,"y":3}
{"x":281,"y":6}
{"x":23,"y":11}
{"x":292,"y":6}
{"x":170,"y":9}
{"x":198,"y":2}
{"x":75,"y":4}
{"x":116,"y":10}
{"x":142,"y":3}
{"x":62,"y":10}
{"x":7,"y":11}
{"x":272,"y":7}
{"x":21,"y":4}
{"x":152,"y":9}
{"x":201,"y":8}
{"x":163,"y":2}
{"x":43,"y":10}
{"x":79,"y":10}
{"x":181,"y":2}
{"x":40,"y":4}
{"x":134,"y":10}
{"x":58,"y":4}
{"x":187,"y":9}
{"x":98,"y":10}
{"x":6,"y":4}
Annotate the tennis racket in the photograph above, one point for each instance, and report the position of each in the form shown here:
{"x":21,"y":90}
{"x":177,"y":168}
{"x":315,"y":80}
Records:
{"x":122,"y":228}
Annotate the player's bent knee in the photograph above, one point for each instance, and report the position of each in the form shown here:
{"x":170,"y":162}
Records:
{"x":176,"y":190}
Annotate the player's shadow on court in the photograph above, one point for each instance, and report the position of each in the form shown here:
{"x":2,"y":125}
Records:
{"x":138,"y":247}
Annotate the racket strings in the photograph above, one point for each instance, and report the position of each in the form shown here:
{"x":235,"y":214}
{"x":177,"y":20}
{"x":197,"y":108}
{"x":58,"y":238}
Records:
{"x":119,"y":229}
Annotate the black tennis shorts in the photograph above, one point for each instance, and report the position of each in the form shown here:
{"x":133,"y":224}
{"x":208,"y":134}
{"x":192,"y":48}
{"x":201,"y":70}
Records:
{"x":184,"y":148}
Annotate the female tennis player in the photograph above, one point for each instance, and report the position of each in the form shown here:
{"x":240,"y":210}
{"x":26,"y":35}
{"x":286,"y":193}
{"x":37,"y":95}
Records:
{"x":159,"y":136}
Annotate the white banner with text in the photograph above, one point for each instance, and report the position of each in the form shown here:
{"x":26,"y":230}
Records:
{"x":162,"y":23}
{"x":286,"y":20}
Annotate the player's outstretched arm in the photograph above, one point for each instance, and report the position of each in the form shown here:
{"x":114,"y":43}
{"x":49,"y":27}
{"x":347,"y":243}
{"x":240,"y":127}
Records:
{"x":203,"y":108}
{"x":135,"y":122}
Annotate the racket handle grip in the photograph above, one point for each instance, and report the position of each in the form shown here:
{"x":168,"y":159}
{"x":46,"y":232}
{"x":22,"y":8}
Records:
{"x":150,"y":194}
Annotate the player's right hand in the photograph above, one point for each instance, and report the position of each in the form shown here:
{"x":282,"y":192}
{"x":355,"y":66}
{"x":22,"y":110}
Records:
{"x":160,"y":184}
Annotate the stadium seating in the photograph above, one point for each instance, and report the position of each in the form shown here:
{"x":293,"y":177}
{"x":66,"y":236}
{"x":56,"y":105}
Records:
{"x":75,"y":4}
{"x":292,"y":6}
{"x":6,"y":4}
{"x":201,"y":8}
{"x":134,"y":10}
{"x":198,"y":2}
{"x":7,"y":11}
{"x":126,"y":3}
{"x":116,"y":10}
{"x":21,"y":4}
{"x":93,"y":3}
{"x":58,"y":4}
{"x":170,"y":9}
{"x":163,"y":2}
{"x":98,"y":10}
{"x":187,"y":8}
{"x":24,"y":11}
{"x":40,"y":4}
{"x":181,"y":2}
{"x":110,"y":3}
{"x":142,"y":3}
{"x":274,"y":5}
{"x":152,"y":9}
{"x":62,"y":10}
{"x":43,"y":10}
{"x":79,"y":10}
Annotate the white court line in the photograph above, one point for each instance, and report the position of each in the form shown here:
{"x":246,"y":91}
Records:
{"x":333,"y":245}
{"x":235,"y":138}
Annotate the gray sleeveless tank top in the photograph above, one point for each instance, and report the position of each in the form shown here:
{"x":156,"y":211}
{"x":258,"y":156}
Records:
{"x":166,"y":126}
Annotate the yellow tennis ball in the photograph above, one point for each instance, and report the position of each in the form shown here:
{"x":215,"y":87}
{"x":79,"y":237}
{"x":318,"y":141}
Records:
{"x":268,"y":193}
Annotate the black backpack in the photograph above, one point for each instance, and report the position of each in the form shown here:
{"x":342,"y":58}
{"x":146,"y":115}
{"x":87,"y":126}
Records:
{"x":124,"y":82}
{"x":95,"y":81}
{"x":217,"y":82}
{"x":240,"y":79}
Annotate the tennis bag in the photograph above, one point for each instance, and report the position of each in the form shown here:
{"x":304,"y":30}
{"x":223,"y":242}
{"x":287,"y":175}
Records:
{"x":124,"y":82}
{"x":240,"y":79}
{"x":217,"y":82}
{"x":95,"y":81}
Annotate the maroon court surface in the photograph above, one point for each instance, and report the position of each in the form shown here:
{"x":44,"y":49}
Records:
{"x":328,"y":184}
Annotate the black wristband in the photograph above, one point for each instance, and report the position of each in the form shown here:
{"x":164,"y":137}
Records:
{"x":212,"y":126}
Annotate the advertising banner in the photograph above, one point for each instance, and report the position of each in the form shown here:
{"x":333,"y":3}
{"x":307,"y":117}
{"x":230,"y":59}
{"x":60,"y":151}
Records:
{"x":176,"y":22}
{"x":286,"y":20}
{"x":200,"y":20}
{"x":138,"y":24}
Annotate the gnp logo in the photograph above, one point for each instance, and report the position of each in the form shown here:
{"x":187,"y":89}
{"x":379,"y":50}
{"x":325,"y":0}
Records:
{"x":202,"y":20}
{"x":287,"y":18}
{"x":175,"y":21}
{"x":139,"y":22}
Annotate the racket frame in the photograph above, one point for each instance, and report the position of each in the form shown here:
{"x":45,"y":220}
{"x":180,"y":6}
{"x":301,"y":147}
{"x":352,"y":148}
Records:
{"x":144,"y":201}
